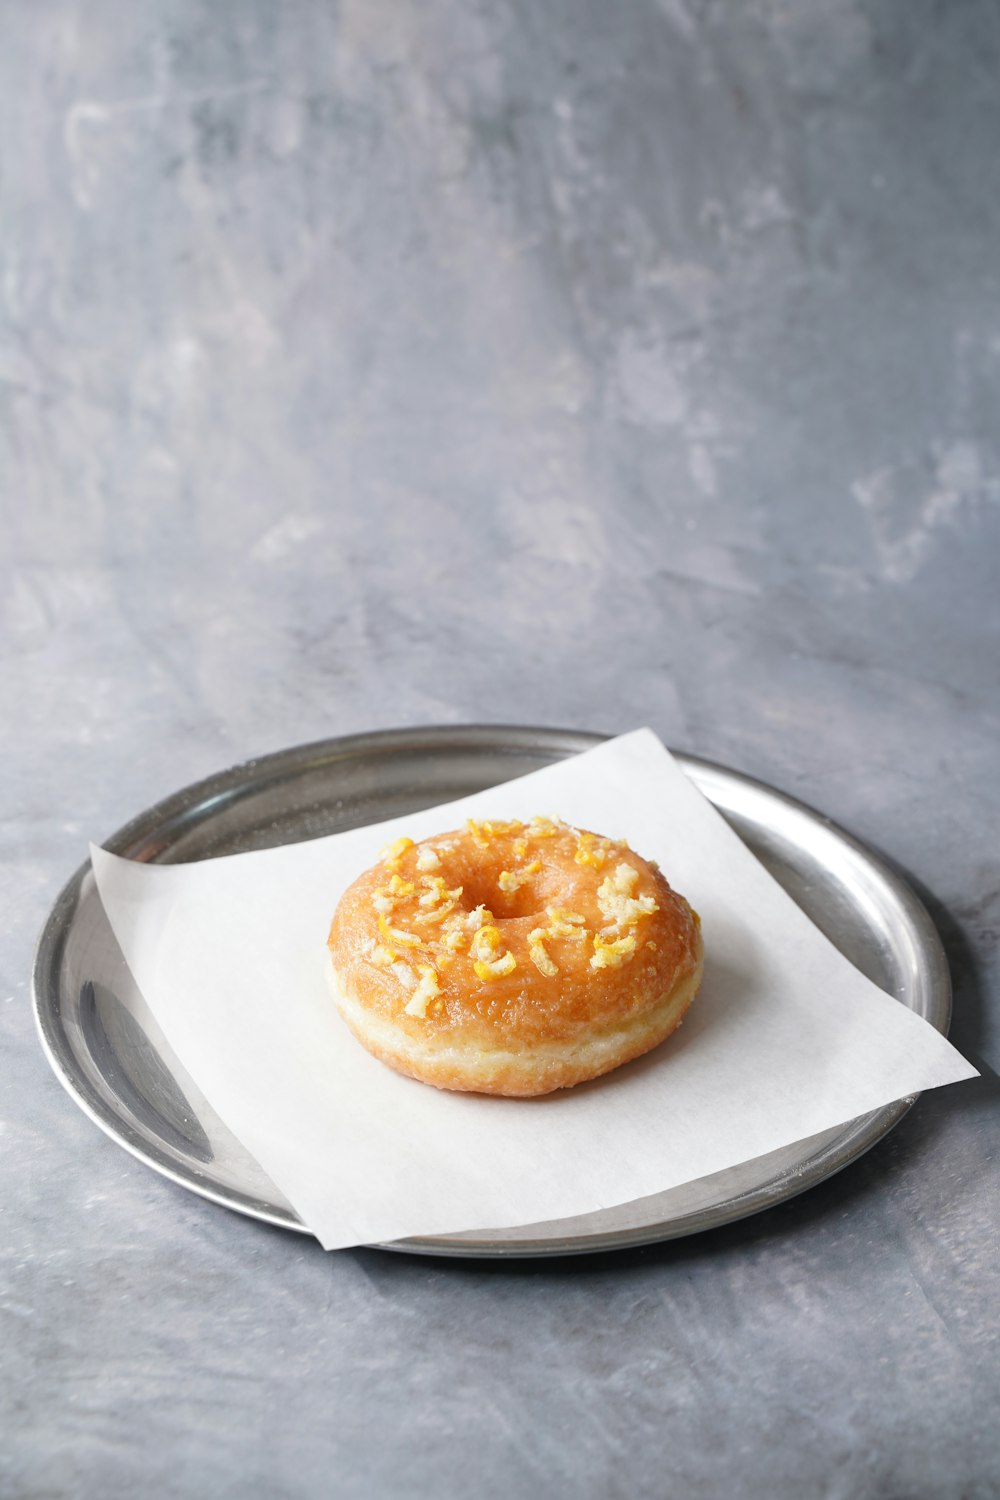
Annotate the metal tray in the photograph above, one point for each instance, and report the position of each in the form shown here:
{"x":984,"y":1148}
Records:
{"x":107,"y":1051}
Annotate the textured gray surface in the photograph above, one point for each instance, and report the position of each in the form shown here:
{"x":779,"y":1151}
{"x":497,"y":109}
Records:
{"x":574,"y":363}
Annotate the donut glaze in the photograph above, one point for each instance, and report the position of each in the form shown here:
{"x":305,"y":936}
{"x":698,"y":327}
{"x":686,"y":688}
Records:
{"x":512,"y":958}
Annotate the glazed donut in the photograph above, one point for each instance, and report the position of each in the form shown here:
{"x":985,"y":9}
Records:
{"x":512,"y":958}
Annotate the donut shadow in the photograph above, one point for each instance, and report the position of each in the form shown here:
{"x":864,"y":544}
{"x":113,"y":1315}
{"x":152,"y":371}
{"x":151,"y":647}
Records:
{"x":731,"y":986}
{"x":864,"y":1198}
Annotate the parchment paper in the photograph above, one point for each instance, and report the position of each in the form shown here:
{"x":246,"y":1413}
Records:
{"x":785,"y":1040}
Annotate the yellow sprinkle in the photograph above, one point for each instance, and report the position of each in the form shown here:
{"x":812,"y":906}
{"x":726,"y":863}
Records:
{"x":391,"y":853}
{"x":520,"y":847}
{"x":485,"y":942}
{"x":591,"y":850}
{"x":437,"y":900}
{"x":612,"y":955}
{"x":384,"y":957}
{"x":488,"y":962}
{"x":536,"y":952}
{"x":544,"y":828}
{"x":560,"y":914}
{"x":491,"y":829}
{"x":512,"y":880}
{"x":407,"y":939}
{"x":496,"y":970}
{"x":564,"y":923}
{"x":563,"y":929}
{"x":386,"y":896}
{"x":434,"y":889}
{"x":438,"y":913}
{"x":426,"y":990}
{"x":616,"y":901}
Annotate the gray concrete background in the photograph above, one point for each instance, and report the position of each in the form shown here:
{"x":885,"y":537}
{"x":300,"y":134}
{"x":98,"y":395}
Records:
{"x":587,"y":364}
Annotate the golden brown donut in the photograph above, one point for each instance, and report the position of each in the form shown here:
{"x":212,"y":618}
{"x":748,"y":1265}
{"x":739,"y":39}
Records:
{"x":512,"y":958}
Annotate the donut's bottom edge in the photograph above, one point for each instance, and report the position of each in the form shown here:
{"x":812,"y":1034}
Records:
{"x":525,"y":1073}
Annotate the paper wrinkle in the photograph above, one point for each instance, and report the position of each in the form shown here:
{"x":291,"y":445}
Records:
{"x":786,"y":1039}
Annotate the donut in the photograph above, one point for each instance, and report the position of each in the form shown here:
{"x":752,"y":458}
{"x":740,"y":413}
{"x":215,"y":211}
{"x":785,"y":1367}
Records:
{"x":512,"y":958}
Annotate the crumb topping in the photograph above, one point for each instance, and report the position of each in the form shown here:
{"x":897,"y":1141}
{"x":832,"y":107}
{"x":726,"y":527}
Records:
{"x":436,"y":899}
{"x":538,"y":955}
{"x":618,"y":906}
{"x":427,"y":990}
{"x":458,"y":925}
{"x":487,"y":970}
{"x":563,"y":923}
{"x":444,"y":929}
{"x":612,"y":954}
{"x":490,"y":959}
{"x":396,"y":935}
{"x":386,"y":896}
{"x":512,"y":880}
{"x":592,"y":850}
{"x":542,"y":827}
{"x":490,"y":829}
{"x":392,"y":853}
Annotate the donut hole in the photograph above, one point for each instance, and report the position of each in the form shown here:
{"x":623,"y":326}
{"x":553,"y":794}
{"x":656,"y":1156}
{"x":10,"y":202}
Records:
{"x":526,"y":901}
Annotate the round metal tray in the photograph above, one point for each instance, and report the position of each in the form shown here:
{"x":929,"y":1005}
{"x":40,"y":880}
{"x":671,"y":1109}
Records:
{"x":106,"y":1049}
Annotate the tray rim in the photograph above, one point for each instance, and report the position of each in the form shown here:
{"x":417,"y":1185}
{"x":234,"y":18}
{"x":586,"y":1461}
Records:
{"x":181,"y":806}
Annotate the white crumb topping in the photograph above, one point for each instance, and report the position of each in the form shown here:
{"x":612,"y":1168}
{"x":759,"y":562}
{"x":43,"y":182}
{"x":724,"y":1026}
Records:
{"x":614,"y":897}
{"x":489,"y":961}
{"x":538,"y":954}
{"x":612,"y":955}
{"x":512,"y":880}
{"x":427,"y":990}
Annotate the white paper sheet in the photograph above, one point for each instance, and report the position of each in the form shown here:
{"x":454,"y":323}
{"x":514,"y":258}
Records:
{"x":785,"y":1040}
